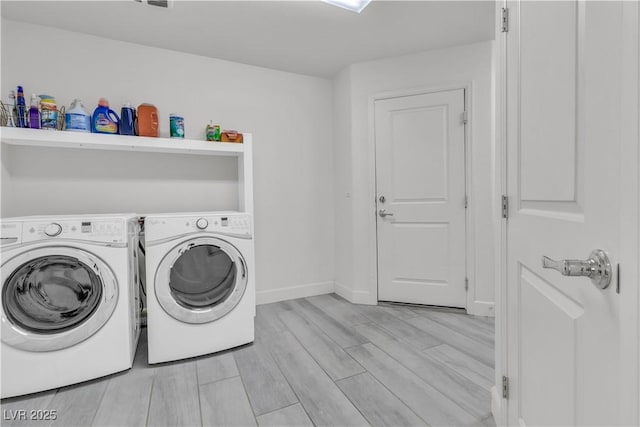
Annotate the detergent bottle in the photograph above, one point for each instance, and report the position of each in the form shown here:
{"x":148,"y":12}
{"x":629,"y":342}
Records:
{"x":77,"y":119}
{"x":104,"y":119}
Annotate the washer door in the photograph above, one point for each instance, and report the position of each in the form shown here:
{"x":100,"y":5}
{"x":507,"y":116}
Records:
{"x":55,"y":297}
{"x":201,"y":280}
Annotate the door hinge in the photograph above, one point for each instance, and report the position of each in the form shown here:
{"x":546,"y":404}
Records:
{"x":505,"y":387}
{"x":465,"y":117}
{"x":505,"y":207}
{"x":466,"y":283}
{"x":505,"y":20}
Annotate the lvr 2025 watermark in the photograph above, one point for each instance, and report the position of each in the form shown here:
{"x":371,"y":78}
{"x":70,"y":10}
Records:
{"x":29,"y":414}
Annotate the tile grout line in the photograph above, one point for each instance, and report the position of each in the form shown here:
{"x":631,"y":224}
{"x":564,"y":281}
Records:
{"x":448,"y":365}
{"x":244,"y":387}
{"x":349,"y":324}
{"x":418,"y":378}
{"x":386,"y":388}
{"x":310,"y":320}
{"x":330,"y":339}
{"x":391,"y":391}
{"x":153,"y":384}
{"x":444,"y":325}
{"x":268,"y":350}
{"x":199,"y":396}
{"x":365,"y":370}
{"x":280,"y":409}
{"x":456,"y":347}
{"x":100,"y":403}
{"x":287,"y":380}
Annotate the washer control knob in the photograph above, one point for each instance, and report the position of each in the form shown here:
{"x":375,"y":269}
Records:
{"x":53,"y":229}
{"x":202,"y":223}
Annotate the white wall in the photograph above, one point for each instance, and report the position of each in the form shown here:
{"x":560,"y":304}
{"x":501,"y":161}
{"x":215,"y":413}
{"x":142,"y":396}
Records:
{"x":289,"y":115}
{"x":342,"y":181}
{"x":468,"y":65}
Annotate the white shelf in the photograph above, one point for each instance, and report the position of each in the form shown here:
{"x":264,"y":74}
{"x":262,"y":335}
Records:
{"x":97,"y":141}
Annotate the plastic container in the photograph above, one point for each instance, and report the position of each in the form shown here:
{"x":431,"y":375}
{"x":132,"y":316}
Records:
{"x":11,"y":122}
{"x":104,"y":119}
{"x":48,"y":113}
{"x":147,"y":121}
{"x":176,"y":126}
{"x":213,"y":132}
{"x":77,"y":119}
{"x":34,"y":112}
{"x":21,"y":109}
{"x":127,"y":120}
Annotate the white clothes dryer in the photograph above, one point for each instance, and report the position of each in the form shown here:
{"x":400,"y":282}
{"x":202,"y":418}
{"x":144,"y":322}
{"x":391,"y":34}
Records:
{"x":70,"y":300}
{"x":200,"y":283}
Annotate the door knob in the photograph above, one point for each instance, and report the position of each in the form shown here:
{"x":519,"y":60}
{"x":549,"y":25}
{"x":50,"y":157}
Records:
{"x":383,"y":213}
{"x":597,"y":267}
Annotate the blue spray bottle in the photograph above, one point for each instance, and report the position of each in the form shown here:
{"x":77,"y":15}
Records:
{"x":21,"y":108}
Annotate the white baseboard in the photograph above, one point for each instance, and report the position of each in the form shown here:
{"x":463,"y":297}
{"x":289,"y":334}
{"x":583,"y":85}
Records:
{"x":293,"y":292}
{"x":482,"y":308}
{"x":496,"y":406}
{"x":354,"y":297}
{"x":477,"y":308}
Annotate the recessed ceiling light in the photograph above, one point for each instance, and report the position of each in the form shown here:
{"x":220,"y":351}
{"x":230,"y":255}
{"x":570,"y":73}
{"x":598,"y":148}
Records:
{"x":352,"y":5}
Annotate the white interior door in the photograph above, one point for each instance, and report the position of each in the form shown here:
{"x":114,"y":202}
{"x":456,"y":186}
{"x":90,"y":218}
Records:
{"x":420,"y":183}
{"x":563,"y":147}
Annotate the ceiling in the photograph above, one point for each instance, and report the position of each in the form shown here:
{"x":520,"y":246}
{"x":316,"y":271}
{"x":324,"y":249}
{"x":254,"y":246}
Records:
{"x":306,"y":37}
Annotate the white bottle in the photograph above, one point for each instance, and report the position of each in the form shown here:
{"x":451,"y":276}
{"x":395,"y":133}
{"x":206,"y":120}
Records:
{"x":77,"y":119}
{"x":12,"y":109}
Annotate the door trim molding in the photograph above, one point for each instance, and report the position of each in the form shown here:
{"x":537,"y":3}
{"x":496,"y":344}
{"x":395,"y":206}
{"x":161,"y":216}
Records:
{"x":372,"y":251}
{"x":629,"y":214}
{"x":499,"y":406}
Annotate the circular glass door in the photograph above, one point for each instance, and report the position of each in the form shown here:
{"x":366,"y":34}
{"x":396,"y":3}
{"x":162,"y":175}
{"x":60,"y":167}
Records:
{"x":53,"y":298}
{"x":201,"y":280}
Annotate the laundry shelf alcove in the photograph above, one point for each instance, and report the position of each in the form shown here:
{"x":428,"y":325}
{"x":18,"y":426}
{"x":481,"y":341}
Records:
{"x":59,"y":172}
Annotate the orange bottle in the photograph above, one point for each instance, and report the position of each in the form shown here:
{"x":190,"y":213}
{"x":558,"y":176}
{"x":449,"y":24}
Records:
{"x":147,"y":121}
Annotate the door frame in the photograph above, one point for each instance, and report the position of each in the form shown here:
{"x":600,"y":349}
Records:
{"x":372,"y":252}
{"x":629,"y":215}
{"x":498,"y":409}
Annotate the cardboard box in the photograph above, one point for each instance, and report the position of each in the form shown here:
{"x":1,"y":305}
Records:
{"x":231,"y":136}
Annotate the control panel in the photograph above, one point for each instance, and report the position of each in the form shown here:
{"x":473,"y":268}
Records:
{"x":229,"y":224}
{"x":101,"y":230}
{"x":10,"y":233}
{"x":234,"y":224}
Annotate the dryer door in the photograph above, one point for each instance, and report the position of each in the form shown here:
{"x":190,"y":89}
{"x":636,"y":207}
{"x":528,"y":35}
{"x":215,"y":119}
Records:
{"x":201,"y":280}
{"x":55,"y":297}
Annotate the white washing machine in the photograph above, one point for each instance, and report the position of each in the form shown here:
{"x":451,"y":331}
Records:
{"x":200,"y":283}
{"x":69,"y":312}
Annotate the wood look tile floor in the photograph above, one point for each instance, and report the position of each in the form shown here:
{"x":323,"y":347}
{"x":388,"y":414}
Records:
{"x":315,"y":361}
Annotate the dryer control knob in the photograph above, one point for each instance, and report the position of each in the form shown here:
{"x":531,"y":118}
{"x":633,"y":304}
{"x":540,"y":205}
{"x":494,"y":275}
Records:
{"x":202,"y":223}
{"x":53,"y":229}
